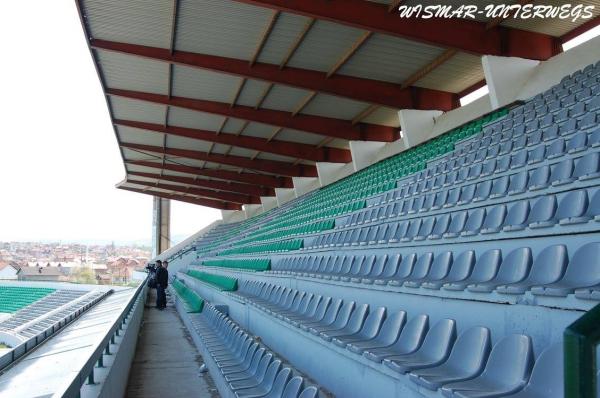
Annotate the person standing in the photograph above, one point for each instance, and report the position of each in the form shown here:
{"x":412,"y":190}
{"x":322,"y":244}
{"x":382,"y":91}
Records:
{"x":162,"y":281}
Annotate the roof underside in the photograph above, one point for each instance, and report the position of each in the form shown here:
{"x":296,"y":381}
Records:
{"x":219,"y":102}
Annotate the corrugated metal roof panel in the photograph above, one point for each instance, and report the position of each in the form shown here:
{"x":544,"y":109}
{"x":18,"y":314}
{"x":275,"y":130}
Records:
{"x":554,"y":27}
{"x":284,"y":98}
{"x":338,"y":143}
{"x":128,"y":109}
{"x":252,"y":92}
{"x":259,"y":130}
{"x":138,"y":136}
{"x":145,"y":179}
{"x":233,"y":126}
{"x":389,"y":58}
{"x":458,"y":73}
{"x":324,"y":45}
{"x":284,"y":34}
{"x":186,"y":161}
{"x":187,"y":143}
{"x":220,"y":148}
{"x":236,"y":151}
{"x":272,"y":156}
{"x":203,"y":84}
{"x":133,"y":21}
{"x":385,"y":116}
{"x":217,"y":27}
{"x":134,"y":73}
{"x":130,"y":154}
{"x":336,"y":107}
{"x":191,"y":119}
{"x":298,"y":136}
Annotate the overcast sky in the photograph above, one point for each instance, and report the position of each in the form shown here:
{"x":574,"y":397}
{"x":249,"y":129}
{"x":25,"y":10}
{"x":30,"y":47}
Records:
{"x":59,"y":159}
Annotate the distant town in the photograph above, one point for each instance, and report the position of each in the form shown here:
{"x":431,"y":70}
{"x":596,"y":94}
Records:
{"x":72,"y":262}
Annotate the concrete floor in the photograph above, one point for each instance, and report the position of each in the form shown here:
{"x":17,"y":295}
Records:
{"x":166,"y":362}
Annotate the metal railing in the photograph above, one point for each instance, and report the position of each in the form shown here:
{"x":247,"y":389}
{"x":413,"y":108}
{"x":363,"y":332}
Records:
{"x":580,"y":341}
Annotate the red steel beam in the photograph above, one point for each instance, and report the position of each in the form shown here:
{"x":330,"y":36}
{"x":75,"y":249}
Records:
{"x":197,"y":201}
{"x":248,"y":178}
{"x":285,"y":148}
{"x":361,"y":89}
{"x":461,"y":34}
{"x":245,"y":189}
{"x":330,"y":127}
{"x":268,"y":166}
{"x":590,"y":24}
{"x":205,"y":193}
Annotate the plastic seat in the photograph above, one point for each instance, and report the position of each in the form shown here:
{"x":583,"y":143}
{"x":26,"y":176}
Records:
{"x":388,"y":334}
{"x":376,"y":269}
{"x":583,"y":271}
{"x":438,"y":270}
{"x":485,"y":269}
{"x":593,"y":210}
{"x":494,"y":219}
{"x":499,"y":187}
{"x":453,"y":197}
{"x":258,"y":385}
{"x":539,"y":179}
{"x":547,"y":376}
{"x":284,"y":387}
{"x":466,"y":361}
{"x":390,"y":267}
{"x":420,"y":269}
{"x":368,"y":331}
{"x":426,"y":229}
{"x":341,"y":318}
{"x":413,"y":230}
{"x":328,"y":319}
{"x":513,"y":269}
{"x":573,"y":208}
{"x":460,"y":270}
{"x":518,"y":183}
{"x":488,"y":168}
{"x":543,"y":211}
{"x":403,"y":270}
{"x":466,"y":194}
{"x":365,"y":269}
{"x":507,"y":371}
{"x":483,"y":191}
{"x":411,"y":338}
{"x":474,"y":222}
{"x":588,"y":167}
{"x":456,"y":225}
{"x":309,"y":392}
{"x":259,"y":364}
{"x":516,"y":217}
{"x":354,"y":324}
{"x":578,"y":142}
{"x":556,"y":149}
{"x":433,"y":352}
{"x":562,"y":173}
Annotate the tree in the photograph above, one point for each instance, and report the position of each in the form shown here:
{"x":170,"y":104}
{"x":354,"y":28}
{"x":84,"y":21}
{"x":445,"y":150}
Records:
{"x":84,"y":275}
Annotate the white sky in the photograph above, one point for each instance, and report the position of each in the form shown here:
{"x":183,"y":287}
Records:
{"x":59,"y":159}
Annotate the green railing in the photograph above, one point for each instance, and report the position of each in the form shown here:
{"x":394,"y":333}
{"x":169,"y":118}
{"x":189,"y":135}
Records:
{"x":580,"y":341}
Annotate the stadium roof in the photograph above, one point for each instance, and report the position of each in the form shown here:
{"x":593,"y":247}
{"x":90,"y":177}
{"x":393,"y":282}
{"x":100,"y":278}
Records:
{"x":219,"y":102}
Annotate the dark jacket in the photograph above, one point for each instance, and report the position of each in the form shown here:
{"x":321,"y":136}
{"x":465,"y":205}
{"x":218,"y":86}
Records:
{"x":162,"y":277}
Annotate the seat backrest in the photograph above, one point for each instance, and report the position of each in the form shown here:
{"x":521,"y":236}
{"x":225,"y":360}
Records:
{"x":441,"y":224}
{"x":483,"y":190}
{"x":539,"y":177}
{"x":267,"y":379}
{"x":346,"y":264}
{"x":518,"y":182}
{"x":467,"y":192}
{"x":322,"y":308}
{"x":495,"y":216}
{"x":589,"y":164}
{"x":584,"y":267}
{"x":426,"y":227}
{"x":549,"y":265}
{"x":486,"y":266}
{"x":517,"y":213}
{"x":357,"y":318}
{"x":547,"y":376}
{"x":257,"y":358}
{"x":291,"y":390}
{"x":391,"y":327}
{"x":412,"y":334}
{"x":356,"y":264}
{"x":343,"y":314}
{"x":373,"y":322}
{"x":462,"y":266}
{"x":557,"y":148}
{"x":441,"y":265}
{"x":276,"y":389}
{"x":516,"y":265}
{"x":378,"y":266}
{"x":594,"y":205}
{"x":413,"y":228}
{"x":309,"y":392}
{"x":562,"y":170}
{"x":391,"y":265}
{"x":439,"y":339}
{"x":475,"y":219}
{"x":458,"y":221}
{"x":573,"y":204}
{"x":422,"y":266}
{"x":406,"y":266}
{"x":366,"y":266}
{"x":471,"y":350}
{"x":543,"y":209}
{"x":332,"y":311}
{"x":510,"y":361}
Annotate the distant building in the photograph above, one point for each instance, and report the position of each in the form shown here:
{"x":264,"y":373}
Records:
{"x":9,"y":271}
{"x":52,"y":274}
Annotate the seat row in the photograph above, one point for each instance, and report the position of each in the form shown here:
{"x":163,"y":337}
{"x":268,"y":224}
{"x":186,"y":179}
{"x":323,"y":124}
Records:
{"x":400,"y":202}
{"x":567,"y":208}
{"x":474,"y":166}
{"x":249,"y":369}
{"x":436,"y":357}
{"x":549,"y":273}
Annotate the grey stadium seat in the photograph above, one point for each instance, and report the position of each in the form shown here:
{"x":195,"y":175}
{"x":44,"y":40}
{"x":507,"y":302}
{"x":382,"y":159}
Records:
{"x":547,"y":376}
{"x":460,"y":270}
{"x":388,"y":334}
{"x":410,"y":340}
{"x":484,"y":270}
{"x":513,"y":269}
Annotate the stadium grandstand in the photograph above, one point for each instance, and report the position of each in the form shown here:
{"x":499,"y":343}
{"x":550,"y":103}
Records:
{"x":381,"y":236}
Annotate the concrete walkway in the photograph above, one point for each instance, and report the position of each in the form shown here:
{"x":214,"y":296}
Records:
{"x":166,"y":362}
